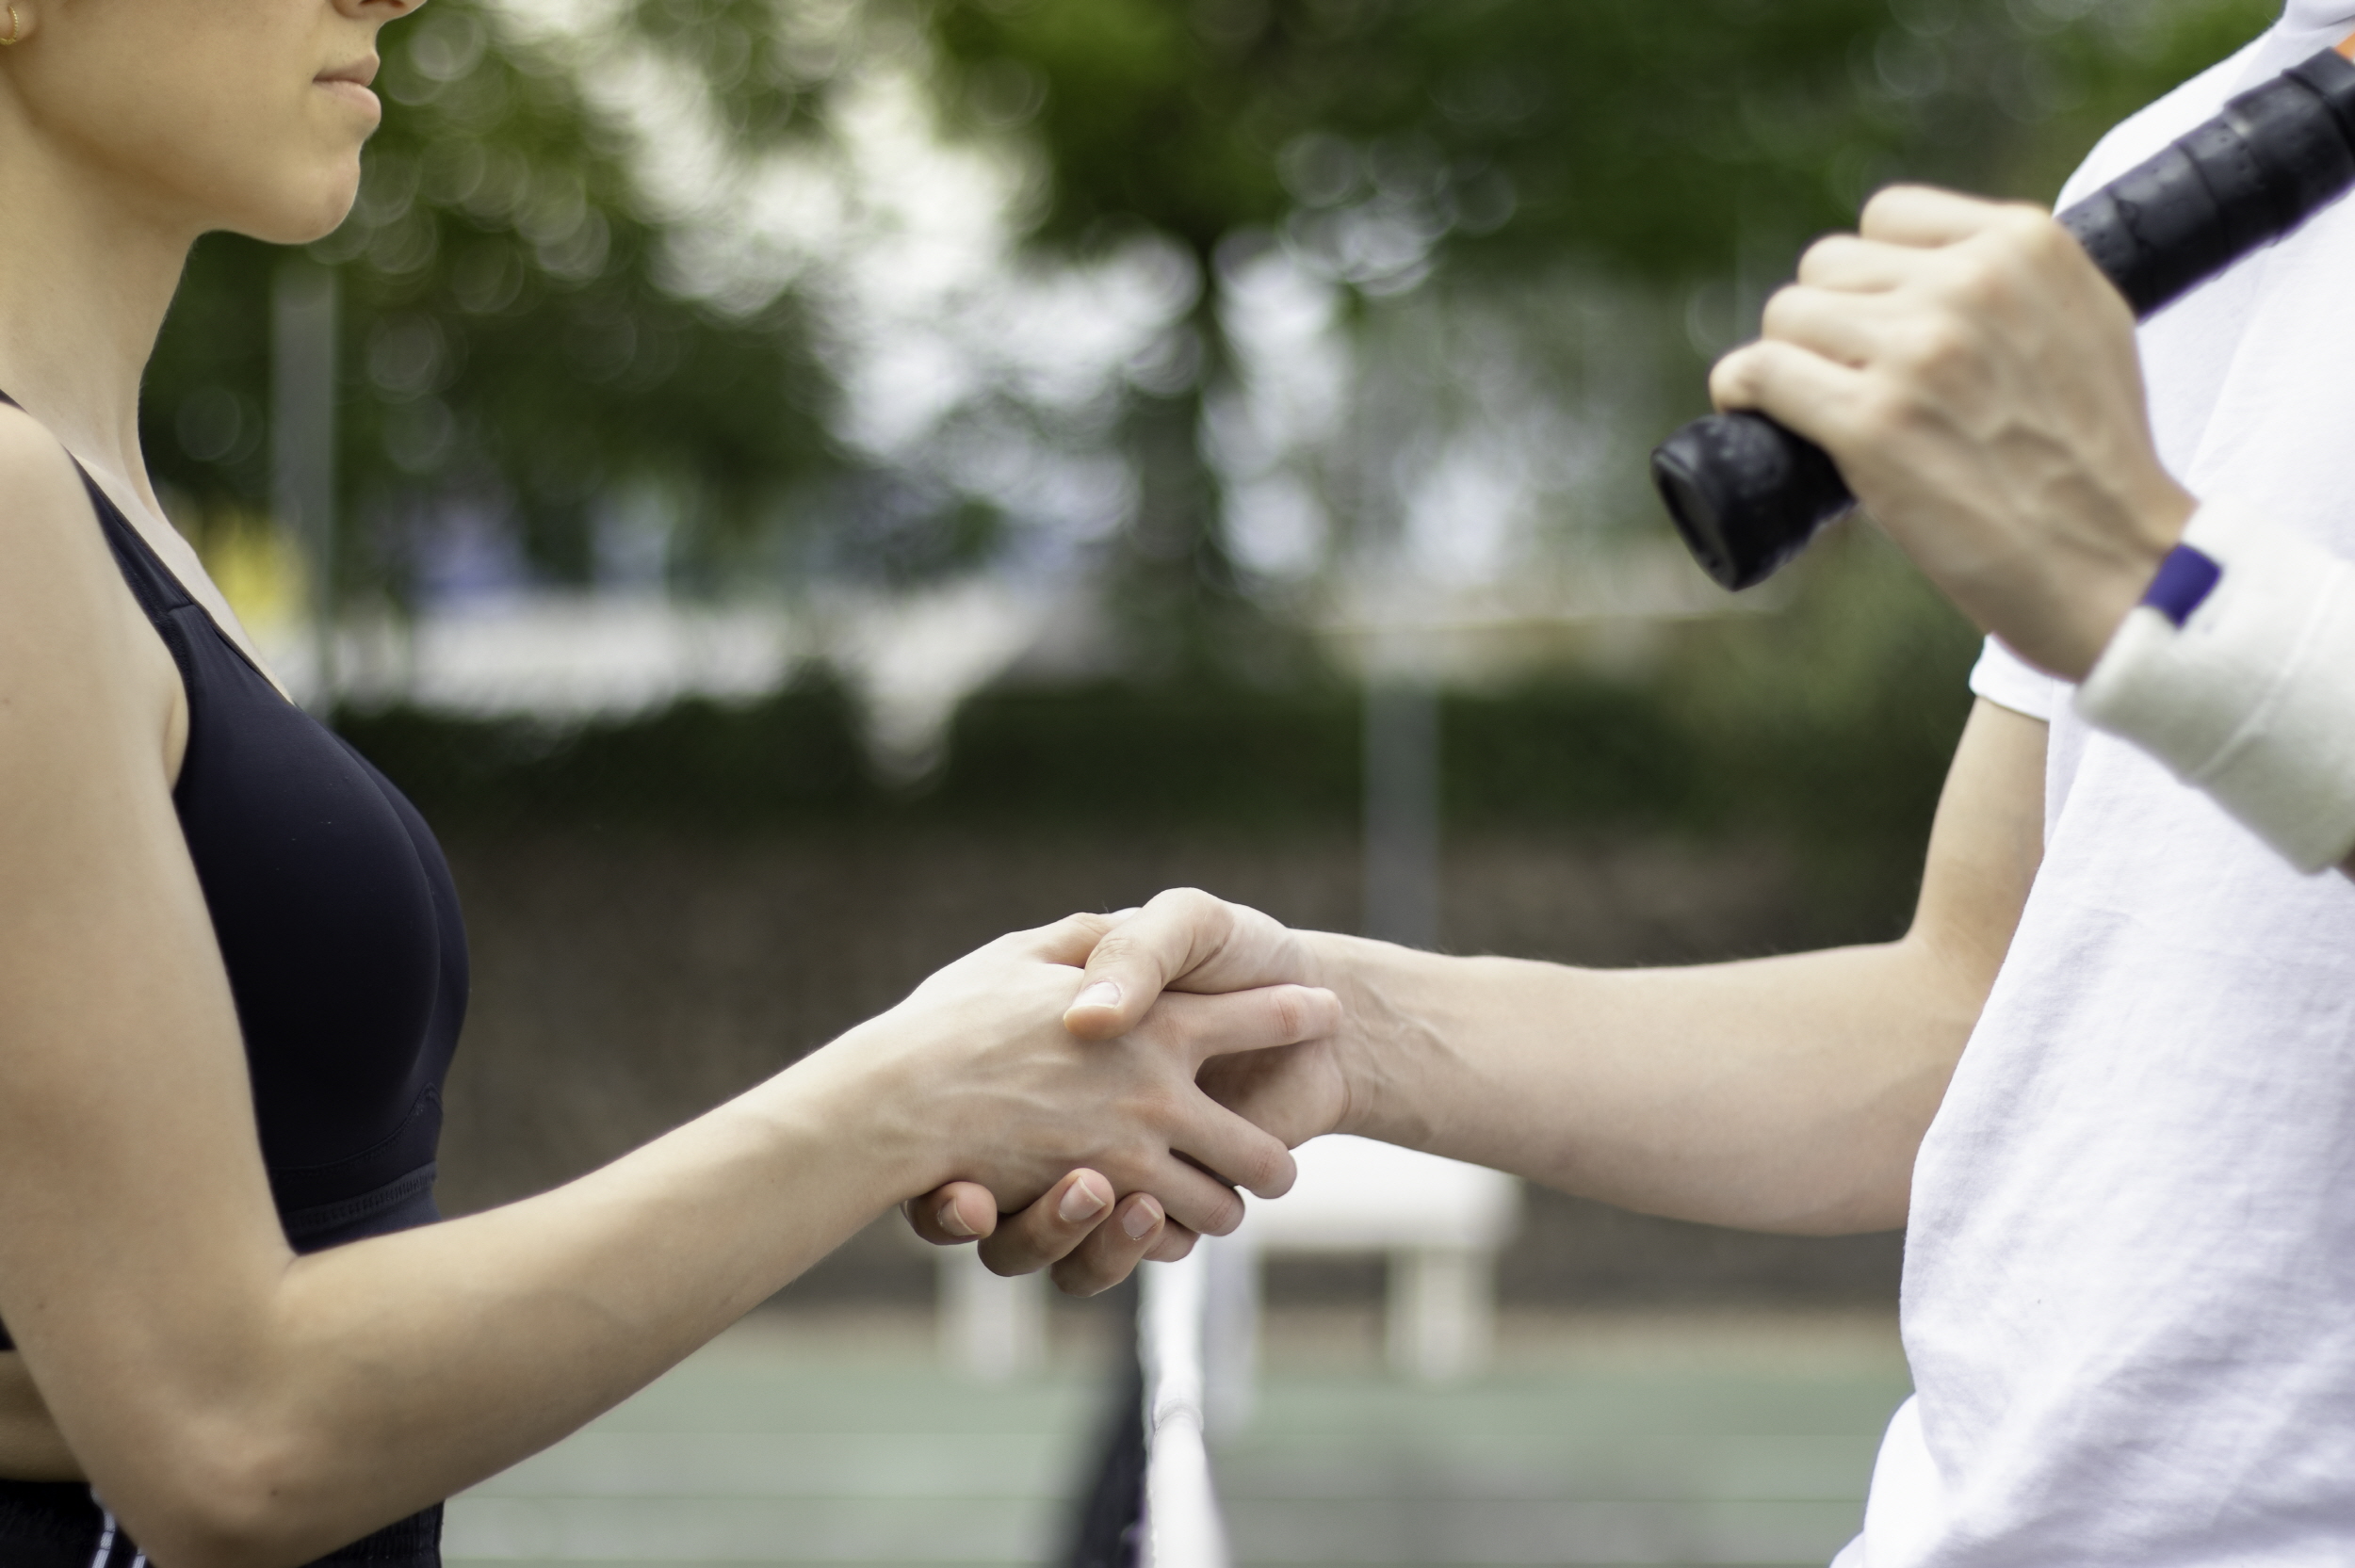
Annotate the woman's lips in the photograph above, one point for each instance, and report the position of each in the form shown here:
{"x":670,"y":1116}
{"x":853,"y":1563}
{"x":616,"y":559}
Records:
{"x":350,"y":83}
{"x":352,"y":92}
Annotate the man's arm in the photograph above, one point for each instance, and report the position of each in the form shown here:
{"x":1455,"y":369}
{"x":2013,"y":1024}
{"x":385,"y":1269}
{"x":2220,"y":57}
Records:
{"x":1976,"y":379}
{"x":1785,"y":1093}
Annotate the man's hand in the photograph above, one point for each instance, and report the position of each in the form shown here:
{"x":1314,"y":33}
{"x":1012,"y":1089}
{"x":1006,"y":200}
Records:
{"x":1975,"y":377}
{"x":1069,"y":1232}
{"x":1185,"y":940}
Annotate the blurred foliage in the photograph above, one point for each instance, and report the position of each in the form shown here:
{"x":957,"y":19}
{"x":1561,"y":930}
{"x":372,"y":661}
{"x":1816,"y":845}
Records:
{"x":510,"y":341}
{"x":1655,"y":136}
{"x":507,"y":337}
{"x":514,"y":342}
{"x":1686,"y":147}
{"x":763,"y":77}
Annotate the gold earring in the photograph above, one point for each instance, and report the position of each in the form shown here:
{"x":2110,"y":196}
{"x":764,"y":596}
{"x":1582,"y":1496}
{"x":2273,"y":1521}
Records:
{"x":16,"y":30}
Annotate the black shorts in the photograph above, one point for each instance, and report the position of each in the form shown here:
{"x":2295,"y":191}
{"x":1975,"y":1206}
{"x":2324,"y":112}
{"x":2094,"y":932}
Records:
{"x":59,"y":1525}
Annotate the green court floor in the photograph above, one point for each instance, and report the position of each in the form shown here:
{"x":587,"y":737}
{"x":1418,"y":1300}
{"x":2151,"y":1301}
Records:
{"x":1712,"y":1441}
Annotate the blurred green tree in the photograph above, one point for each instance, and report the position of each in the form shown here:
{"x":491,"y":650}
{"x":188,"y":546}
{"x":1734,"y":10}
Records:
{"x":512,"y":334}
{"x":1648,"y":136}
{"x":508,"y":333}
{"x":1665,"y":145}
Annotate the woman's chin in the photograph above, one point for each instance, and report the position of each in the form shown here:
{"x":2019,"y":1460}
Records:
{"x":300,"y":222}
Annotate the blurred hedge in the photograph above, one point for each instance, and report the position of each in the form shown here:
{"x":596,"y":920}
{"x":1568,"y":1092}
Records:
{"x":1567,"y":753}
{"x":1828,"y":725}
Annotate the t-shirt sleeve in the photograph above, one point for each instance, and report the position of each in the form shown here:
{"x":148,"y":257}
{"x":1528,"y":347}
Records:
{"x":2004,"y":680}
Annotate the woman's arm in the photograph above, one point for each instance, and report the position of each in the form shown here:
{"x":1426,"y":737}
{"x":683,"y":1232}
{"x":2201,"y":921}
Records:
{"x":31,"y":1446}
{"x":237,"y":1404}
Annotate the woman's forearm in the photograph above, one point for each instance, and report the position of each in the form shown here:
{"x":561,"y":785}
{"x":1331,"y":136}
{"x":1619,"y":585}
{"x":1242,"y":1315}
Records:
{"x":371,"y":1379}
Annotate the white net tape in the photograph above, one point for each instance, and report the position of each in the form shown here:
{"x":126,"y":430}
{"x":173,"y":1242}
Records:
{"x":1181,"y":1522}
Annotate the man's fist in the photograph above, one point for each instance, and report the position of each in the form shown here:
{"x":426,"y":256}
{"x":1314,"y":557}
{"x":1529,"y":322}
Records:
{"x":1975,"y":377}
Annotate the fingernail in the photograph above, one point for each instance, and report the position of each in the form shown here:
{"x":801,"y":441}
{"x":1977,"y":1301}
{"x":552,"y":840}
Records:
{"x":1103,"y":993}
{"x":1082,"y":1202}
{"x":950,"y":1220}
{"x":1141,"y":1217}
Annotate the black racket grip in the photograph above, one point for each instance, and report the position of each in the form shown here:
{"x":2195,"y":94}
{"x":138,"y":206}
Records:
{"x":1748,"y":495}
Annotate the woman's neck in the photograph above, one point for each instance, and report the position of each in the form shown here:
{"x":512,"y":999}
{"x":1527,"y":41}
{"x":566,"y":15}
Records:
{"x":86,"y":278}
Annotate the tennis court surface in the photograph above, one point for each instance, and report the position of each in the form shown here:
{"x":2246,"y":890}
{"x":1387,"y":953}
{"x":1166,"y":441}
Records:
{"x":1650,"y":1439}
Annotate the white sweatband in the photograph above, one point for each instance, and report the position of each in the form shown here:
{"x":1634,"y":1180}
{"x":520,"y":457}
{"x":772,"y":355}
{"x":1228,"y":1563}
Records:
{"x":2237,"y":670}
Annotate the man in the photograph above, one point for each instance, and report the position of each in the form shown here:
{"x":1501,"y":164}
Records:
{"x":2108,"y":1079}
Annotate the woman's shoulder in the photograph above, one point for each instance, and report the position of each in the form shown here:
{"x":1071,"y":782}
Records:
{"x":60,"y":586}
{"x":42,"y":502}
{"x":31,"y":460}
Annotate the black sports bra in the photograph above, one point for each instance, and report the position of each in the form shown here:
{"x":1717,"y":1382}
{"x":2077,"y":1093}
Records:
{"x":337,"y":922}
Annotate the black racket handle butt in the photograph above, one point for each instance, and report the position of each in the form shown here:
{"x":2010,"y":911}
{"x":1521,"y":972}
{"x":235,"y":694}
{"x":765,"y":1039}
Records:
{"x":1746,"y":494}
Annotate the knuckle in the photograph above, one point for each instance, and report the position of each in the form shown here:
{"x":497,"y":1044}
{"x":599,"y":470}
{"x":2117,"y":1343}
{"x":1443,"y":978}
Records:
{"x":1150,"y":1106}
{"x":1007,"y":1261}
{"x":1877,"y":414}
{"x":1782,"y":306}
{"x":2033,"y":229}
{"x":1116,"y":946}
{"x":1266,"y":1171}
{"x":1223,"y":1214}
{"x":1733,"y":380}
{"x":1975,"y":281}
{"x":1290,"y":1008}
{"x":1133,"y":1155}
{"x":1084,"y":924}
{"x":1934,"y":345}
{"x":1200,"y":910}
{"x":1083,"y":1276}
{"x":1881,"y":207}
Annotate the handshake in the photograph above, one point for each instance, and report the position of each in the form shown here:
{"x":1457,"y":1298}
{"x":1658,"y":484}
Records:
{"x":1091,"y":1094}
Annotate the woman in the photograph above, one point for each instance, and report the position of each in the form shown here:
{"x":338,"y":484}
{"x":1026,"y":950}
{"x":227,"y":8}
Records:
{"x":232,"y":972}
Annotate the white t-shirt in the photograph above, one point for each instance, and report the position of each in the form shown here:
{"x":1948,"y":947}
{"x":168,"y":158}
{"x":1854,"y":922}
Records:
{"x":2129,"y":1274}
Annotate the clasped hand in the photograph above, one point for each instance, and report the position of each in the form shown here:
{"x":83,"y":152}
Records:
{"x":1210,"y":1051}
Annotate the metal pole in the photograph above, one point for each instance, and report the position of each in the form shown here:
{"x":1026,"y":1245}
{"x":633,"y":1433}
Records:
{"x":303,"y":444}
{"x":1402,"y":831}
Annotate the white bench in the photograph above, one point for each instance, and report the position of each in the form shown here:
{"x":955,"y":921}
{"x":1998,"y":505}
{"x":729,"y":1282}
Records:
{"x":1439,"y":1222}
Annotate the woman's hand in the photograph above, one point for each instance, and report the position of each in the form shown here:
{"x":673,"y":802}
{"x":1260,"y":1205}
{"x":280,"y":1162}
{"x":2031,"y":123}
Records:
{"x":976,"y":1076}
{"x":1975,"y":377}
{"x":1184,"y":941}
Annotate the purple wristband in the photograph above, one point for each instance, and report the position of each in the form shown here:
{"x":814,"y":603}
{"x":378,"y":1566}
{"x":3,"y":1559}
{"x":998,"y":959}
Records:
{"x":2182,"y":583}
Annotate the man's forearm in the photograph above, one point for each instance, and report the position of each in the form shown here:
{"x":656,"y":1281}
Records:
{"x":1785,"y":1093}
